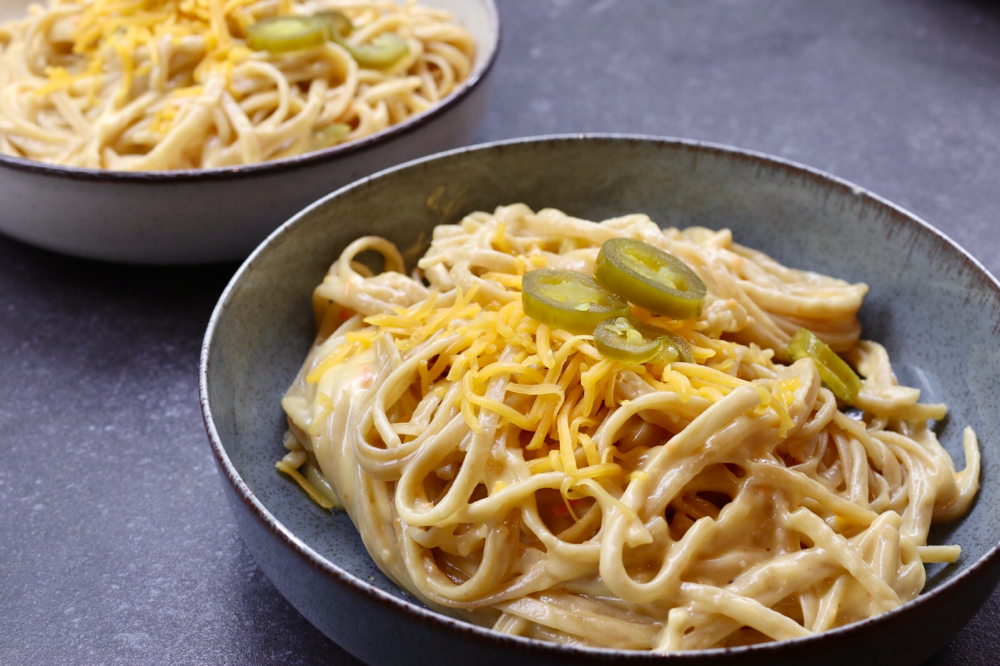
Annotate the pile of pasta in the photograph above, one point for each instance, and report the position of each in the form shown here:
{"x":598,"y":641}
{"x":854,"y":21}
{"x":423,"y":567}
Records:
{"x":141,"y":85}
{"x":506,"y":472}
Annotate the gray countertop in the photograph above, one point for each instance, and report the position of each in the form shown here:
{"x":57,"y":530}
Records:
{"x":116,"y":545}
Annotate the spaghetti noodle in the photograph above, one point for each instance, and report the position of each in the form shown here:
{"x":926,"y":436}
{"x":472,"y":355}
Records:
{"x":140,"y":85}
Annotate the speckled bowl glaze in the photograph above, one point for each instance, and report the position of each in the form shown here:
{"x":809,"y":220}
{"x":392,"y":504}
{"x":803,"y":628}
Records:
{"x":933,"y":306}
{"x":209,"y":215}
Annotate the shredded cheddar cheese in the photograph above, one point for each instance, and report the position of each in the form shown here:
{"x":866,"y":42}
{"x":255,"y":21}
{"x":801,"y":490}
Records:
{"x":564,"y":380}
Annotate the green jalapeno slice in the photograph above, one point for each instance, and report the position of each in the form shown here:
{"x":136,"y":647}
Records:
{"x":650,"y":278}
{"x":833,"y":370}
{"x":384,"y":51}
{"x":338,"y":26}
{"x":280,"y":34}
{"x":568,"y":300}
{"x":629,"y":340}
{"x":330,"y":135}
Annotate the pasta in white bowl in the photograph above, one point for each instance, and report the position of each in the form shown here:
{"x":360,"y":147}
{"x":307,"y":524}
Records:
{"x":200,"y":84}
{"x":203,"y":166}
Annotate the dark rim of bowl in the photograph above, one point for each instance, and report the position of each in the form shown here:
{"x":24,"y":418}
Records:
{"x":911,"y":608}
{"x":479,"y":72}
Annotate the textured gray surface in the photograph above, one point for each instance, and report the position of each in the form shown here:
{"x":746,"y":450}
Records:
{"x":116,"y":545}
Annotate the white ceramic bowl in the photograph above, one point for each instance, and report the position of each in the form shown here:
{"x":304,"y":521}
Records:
{"x":208,"y":215}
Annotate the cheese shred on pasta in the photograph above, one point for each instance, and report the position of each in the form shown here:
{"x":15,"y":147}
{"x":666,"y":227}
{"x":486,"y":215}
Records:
{"x":141,"y":85}
{"x":506,"y":472}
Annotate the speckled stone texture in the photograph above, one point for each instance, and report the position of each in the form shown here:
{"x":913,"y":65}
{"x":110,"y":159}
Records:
{"x":116,"y":544}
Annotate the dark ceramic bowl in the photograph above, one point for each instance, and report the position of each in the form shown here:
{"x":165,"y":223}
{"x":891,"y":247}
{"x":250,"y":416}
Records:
{"x":931,"y":304}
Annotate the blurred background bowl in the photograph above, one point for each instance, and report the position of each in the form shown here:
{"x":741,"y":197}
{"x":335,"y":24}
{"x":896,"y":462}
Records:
{"x":210,"y":215}
{"x":922,"y":286}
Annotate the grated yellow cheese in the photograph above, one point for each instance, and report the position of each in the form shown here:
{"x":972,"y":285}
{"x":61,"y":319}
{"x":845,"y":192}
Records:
{"x":310,"y":490}
{"x":558,"y":382}
{"x":122,"y":37}
{"x":326,"y":408}
{"x":500,"y":238}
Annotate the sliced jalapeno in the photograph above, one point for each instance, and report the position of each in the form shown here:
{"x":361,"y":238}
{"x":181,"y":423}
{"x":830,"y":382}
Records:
{"x":675,"y":348}
{"x":337,"y":25}
{"x":835,"y":373}
{"x":629,"y":340}
{"x":330,"y":135}
{"x":280,"y":34}
{"x":384,"y":51}
{"x":650,"y":278}
{"x":568,"y":300}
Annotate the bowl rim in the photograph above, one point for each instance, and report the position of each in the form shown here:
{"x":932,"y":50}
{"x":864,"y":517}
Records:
{"x":389,"y":602}
{"x":479,"y":72}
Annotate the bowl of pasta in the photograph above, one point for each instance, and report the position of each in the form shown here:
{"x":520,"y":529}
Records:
{"x":185,"y":131}
{"x":583,"y":398}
